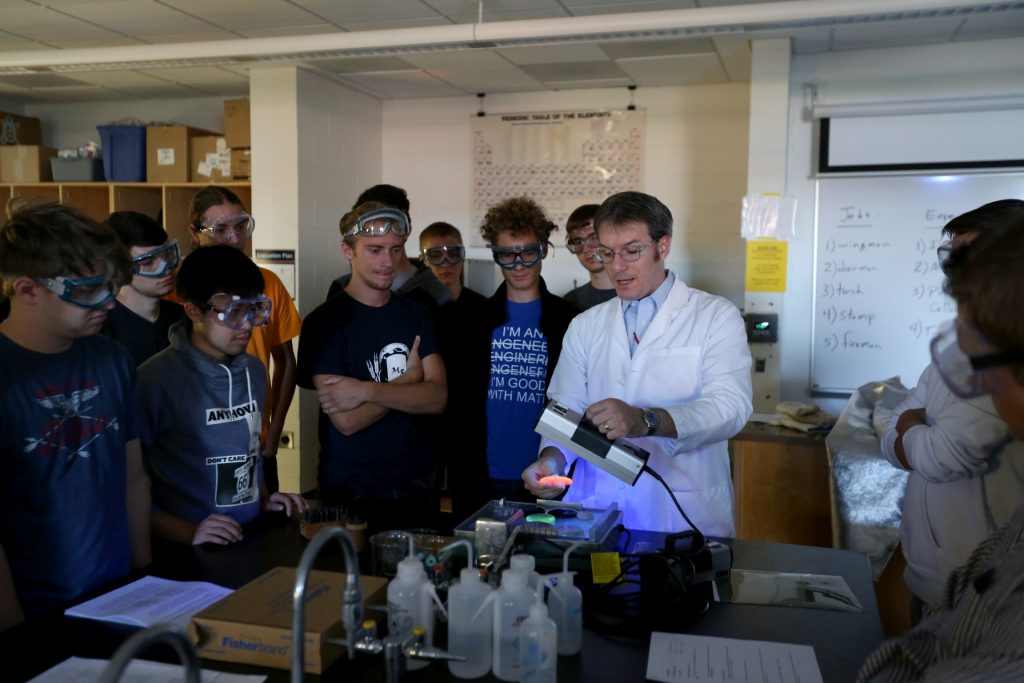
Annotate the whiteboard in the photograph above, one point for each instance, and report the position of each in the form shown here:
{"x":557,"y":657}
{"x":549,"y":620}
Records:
{"x":878,"y":296}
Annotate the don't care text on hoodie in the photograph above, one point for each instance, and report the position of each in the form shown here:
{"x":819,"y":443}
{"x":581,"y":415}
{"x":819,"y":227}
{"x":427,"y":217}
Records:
{"x":200,"y":430}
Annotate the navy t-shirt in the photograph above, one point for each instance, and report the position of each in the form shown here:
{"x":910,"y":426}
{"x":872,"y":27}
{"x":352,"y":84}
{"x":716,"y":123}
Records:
{"x":515,"y":395}
{"x":65,"y":421}
{"x":345,"y":337}
{"x":141,"y":337}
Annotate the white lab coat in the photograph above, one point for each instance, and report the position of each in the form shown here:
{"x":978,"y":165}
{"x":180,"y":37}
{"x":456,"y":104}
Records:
{"x":966,"y":481}
{"x":693,"y":361}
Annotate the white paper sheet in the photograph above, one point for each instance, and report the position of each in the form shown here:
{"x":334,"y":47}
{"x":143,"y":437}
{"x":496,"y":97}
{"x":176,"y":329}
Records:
{"x":677,"y":657}
{"x":138,"y":671}
{"x":151,"y":601}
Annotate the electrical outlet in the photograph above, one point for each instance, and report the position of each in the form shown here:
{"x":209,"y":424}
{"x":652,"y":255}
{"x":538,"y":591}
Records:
{"x":287,"y":440}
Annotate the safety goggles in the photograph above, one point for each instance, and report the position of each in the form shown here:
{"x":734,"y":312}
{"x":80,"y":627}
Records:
{"x":84,"y":292}
{"x":378,"y":223}
{"x":157,"y":262}
{"x":965,"y":375}
{"x":630,"y":253}
{"x":525,"y":255}
{"x":239,"y":311}
{"x":449,"y":253}
{"x":226,"y":229}
{"x":943,"y":252}
{"x":576,"y":245}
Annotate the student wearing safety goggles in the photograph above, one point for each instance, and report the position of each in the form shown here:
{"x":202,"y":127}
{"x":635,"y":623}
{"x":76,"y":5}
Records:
{"x":442,"y":250}
{"x":412,"y":278}
{"x":974,"y":632}
{"x":141,"y":317}
{"x":581,"y":240}
{"x":201,"y":402}
{"x":516,"y":345}
{"x":964,"y":479}
{"x":372,"y":358}
{"x":74,"y":499}
{"x":218,"y":216}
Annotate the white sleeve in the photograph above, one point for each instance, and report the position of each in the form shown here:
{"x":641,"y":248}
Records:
{"x":915,"y":399}
{"x":958,"y":442}
{"x":725,"y":400}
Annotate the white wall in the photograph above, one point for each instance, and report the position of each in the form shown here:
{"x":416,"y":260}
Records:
{"x":319,"y":147}
{"x":956,"y":70}
{"x":74,"y":124}
{"x":695,"y":161}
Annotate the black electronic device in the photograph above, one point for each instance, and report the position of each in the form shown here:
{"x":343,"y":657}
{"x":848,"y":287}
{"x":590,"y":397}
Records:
{"x":762,"y":328}
{"x":676,"y":581}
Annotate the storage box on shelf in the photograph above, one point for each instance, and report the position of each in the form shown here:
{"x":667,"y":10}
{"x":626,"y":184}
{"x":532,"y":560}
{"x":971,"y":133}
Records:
{"x":25,"y":163}
{"x":19,"y":130}
{"x":124,"y":153}
{"x":76,"y":170}
{"x":236,"y":123}
{"x":167,"y":153}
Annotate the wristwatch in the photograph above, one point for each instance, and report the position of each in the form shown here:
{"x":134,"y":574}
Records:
{"x":652,"y":421}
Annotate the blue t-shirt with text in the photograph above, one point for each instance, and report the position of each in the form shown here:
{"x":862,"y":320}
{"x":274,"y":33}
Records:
{"x":515,"y":395}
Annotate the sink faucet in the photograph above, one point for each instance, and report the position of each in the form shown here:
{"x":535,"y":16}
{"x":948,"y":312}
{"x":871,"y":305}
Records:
{"x":160,"y":633}
{"x":352,"y":608}
{"x":398,"y":650}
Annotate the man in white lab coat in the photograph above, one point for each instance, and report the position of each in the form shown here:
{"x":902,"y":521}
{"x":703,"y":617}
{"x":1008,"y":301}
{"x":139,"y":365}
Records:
{"x":663,"y":365}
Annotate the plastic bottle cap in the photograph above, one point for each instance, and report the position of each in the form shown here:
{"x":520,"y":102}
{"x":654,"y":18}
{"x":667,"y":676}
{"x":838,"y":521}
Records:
{"x":468,"y":575}
{"x":410,"y":569}
{"x":513,"y":578}
{"x":538,"y":610}
{"x":523,"y":561}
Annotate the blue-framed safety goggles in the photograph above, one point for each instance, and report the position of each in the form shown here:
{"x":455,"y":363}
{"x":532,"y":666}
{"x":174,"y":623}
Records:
{"x":157,"y":262}
{"x":239,"y":311}
{"x":448,"y":253}
{"x":84,"y":292}
{"x":378,"y":223}
{"x":525,"y":255}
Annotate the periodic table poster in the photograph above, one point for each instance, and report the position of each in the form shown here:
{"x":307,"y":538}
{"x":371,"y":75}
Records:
{"x":559,"y":159}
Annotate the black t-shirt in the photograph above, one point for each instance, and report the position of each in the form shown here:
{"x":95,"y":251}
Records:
{"x":141,"y":337}
{"x":345,"y":337}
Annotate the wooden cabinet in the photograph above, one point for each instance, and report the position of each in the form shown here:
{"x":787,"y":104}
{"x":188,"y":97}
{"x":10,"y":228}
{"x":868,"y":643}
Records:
{"x":98,"y":200}
{"x":781,"y":482}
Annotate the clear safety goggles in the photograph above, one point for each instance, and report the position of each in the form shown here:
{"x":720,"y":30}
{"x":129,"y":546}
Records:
{"x":576,"y":245}
{"x":157,"y":262}
{"x":226,"y":229}
{"x":629,"y":253}
{"x":378,"y":223}
{"x":965,"y":375}
{"x":237,"y":312}
{"x":525,"y":255}
{"x":84,"y":292}
{"x":449,"y":253}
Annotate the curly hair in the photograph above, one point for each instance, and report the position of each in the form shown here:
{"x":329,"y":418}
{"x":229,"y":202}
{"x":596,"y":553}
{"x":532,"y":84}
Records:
{"x":517,"y":216}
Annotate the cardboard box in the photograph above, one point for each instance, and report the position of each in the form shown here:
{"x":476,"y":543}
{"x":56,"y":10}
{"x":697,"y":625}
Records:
{"x":211,"y":159}
{"x":25,"y":163}
{"x":167,"y":153}
{"x":253,"y":624}
{"x":236,"y":123}
{"x":241,"y":164}
{"x":19,"y":130}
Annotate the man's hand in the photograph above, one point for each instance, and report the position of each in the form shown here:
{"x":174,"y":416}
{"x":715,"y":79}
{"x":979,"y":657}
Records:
{"x":286,"y":502}
{"x":413,"y":365}
{"x":615,"y":418}
{"x":551,"y":462}
{"x":219,"y":529}
{"x":339,"y":393}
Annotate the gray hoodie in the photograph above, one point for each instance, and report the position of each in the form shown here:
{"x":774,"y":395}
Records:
{"x":200,"y":430}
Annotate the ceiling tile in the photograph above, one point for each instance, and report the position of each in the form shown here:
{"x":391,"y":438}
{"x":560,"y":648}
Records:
{"x":209,"y":34}
{"x":367,"y":10}
{"x":864,"y":36}
{"x":488,"y":79}
{"x":363,"y":64}
{"x":85,"y":93}
{"x":624,"y":82}
{"x":679,"y":70}
{"x":39,"y":80}
{"x":194,"y":76}
{"x":657,"y":48}
{"x":137,"y":17}
{"x":574,"y":71}
{"x":74,"y":44}
{"x":991,"y":26}
{"x":542,"y":54}
{"x":39,"y":23}
{"x":455,"y":59}
{"x":236,"y":15}
{"x":119,"y":79}
{"x":734,"y":53}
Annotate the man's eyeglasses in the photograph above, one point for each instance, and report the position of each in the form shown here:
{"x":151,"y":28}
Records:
{"x":965,"y":375}
{"x":378,"y":223}
{"x":944,"y":250}
{"x":525,"y":255}
{"x":239,"y":311}
{"x":157,"y":262}
{"x":631,"y":252}
{"x":576,"y":245}
{"x":448,"y":253}
{"x":228,"y":228}
{"x":84,"y":292}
